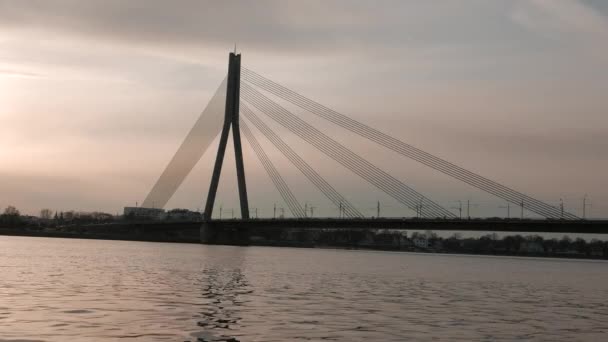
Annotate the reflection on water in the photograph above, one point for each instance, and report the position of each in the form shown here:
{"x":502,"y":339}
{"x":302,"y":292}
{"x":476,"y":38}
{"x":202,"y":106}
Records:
{"x":224,"y":294}
{"x":86,"y":290}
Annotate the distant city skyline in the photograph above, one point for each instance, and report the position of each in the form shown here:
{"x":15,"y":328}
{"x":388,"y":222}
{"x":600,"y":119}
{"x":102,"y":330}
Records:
{"x":95,"y":97}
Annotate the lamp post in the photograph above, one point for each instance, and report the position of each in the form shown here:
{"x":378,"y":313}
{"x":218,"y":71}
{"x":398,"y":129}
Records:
{"x":459,"y":208}
{"x":508,"y":207}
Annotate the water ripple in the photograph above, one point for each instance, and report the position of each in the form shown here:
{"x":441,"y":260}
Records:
{"x":58,"y":290}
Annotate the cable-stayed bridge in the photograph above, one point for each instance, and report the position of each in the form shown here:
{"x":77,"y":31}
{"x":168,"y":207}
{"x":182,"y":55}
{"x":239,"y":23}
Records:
{"x":247,"y":99}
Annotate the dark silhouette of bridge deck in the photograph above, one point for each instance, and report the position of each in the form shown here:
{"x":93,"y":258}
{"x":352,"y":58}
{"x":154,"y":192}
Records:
{"x":481,"y":225}
{"x":237,"y":226}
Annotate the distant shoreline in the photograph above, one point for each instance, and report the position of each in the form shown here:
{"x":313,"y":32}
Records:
{"x":83,"y":233}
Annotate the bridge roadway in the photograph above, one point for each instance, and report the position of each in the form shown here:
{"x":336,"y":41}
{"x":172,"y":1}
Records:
{"x":484,"y":225}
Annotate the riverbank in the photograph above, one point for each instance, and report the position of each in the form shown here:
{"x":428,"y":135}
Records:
{"x":525,"y":246}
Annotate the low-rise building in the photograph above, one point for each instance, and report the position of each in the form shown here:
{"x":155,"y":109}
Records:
{"x":183,"y":215}
{"x":531,"y":247}
{"x":141,"y":213}
{"x":597,"y":251}
{"x":421,"y":242}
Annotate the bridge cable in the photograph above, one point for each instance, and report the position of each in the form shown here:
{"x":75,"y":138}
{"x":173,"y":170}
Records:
{"x":391,"y":186}
{"x":347,"y":208}
{"x":294,"y":206}
{"x":321,"y":184}
{"x":343,"y":155}
{"x":198,"y":140}
{"x":405,"y":149}
{"x":357,"y":169}
{"x":533,"y":205}
{"x":391,"y":189}
{"x":554,"y":209}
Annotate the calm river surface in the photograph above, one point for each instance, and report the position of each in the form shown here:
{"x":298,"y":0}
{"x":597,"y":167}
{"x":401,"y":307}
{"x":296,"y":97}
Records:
{"x":93,"y":290}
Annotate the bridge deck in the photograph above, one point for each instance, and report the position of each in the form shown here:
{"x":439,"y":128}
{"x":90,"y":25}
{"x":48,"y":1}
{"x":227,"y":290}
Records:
{"x":513,"y":225}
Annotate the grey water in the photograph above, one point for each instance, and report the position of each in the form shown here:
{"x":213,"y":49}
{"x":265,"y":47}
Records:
{"x":95,"y":290}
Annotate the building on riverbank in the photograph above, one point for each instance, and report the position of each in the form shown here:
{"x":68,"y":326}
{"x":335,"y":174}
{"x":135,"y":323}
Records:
{"x":141,"y":213}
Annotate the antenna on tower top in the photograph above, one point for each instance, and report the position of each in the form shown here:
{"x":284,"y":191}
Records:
{"x":235,"y":48}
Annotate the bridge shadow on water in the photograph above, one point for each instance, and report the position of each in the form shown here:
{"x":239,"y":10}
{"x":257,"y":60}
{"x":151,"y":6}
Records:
{"x":224,"y":290}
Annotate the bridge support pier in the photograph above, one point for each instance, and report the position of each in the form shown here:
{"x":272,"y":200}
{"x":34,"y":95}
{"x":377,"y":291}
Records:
{"x":211,"y":234}
{"x":207,"y":233}
{"x":231,"y":120}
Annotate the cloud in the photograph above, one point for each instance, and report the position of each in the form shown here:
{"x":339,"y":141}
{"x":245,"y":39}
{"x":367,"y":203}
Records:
{"x":574,"y":16}
{"x":18,"y":73}
{"x":563,"y":19}
{"x":193,"y":30}
{"x":193,"y":25}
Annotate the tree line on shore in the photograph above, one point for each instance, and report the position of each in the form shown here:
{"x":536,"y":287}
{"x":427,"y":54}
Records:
{"x":11,"y":217}
{"x":431,"y":242}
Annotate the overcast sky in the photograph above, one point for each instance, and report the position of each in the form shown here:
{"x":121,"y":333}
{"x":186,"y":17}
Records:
{"x":96,"y":96}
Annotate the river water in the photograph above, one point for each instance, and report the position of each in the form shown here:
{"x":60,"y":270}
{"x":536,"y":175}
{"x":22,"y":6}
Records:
{"x":94,"y":290}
